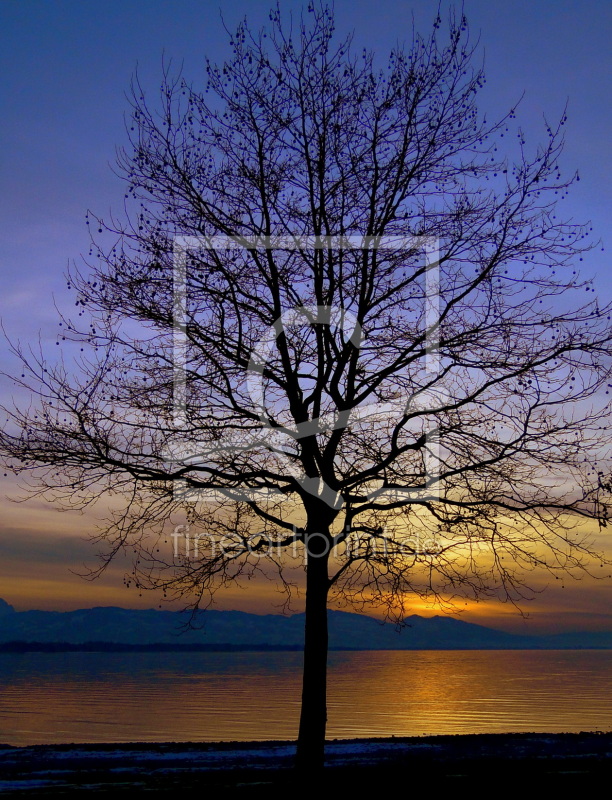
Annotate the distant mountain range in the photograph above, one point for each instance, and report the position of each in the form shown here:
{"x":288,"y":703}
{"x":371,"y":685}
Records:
{"x":239,"y":630}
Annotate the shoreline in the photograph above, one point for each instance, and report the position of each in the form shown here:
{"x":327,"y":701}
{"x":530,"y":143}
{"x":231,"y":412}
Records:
{"x":249,"y":768}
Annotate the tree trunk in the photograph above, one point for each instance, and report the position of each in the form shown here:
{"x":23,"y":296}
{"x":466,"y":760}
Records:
{"x":313,"y":719}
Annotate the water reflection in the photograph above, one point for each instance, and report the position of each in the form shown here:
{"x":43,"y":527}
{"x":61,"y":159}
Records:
{"x":113,"y":697}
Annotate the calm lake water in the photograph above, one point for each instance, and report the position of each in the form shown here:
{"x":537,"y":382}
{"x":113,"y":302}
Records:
{"x":113,"y":697}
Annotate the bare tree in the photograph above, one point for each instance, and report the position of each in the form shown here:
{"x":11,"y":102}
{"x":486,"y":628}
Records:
{"x":337,"y":325}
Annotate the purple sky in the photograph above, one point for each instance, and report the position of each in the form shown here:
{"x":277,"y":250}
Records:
{"x":67,"y":64}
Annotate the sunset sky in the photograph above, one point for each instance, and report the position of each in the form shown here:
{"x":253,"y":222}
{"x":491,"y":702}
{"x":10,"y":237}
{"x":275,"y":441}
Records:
{"x":66,"y":67}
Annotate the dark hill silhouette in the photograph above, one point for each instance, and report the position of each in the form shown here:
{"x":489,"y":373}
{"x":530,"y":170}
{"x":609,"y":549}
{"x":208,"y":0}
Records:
{"x":238,"y":628}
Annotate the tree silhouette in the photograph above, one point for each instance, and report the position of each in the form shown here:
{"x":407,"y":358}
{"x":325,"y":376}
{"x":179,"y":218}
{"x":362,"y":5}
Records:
{"x":336,"y":325}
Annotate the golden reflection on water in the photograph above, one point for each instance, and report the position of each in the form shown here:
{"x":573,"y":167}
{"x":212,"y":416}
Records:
{"x":89,"y":697}
{"x":433,"y":692}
